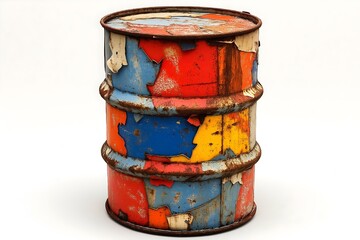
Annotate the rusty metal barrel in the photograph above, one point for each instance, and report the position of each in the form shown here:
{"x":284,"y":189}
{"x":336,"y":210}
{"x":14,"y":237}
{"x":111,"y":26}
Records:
{"x":181,"y":89}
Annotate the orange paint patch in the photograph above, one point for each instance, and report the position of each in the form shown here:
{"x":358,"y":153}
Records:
{"x":157,"y":217}
{"x":218,"y":17}
{"x":114,"y":118}
{"x":247,"y":61}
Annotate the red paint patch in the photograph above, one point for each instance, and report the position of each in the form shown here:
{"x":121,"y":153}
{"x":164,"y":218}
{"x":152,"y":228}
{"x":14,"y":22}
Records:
{"x":114,"y":117}
{"x":245,"y":200}
{"x":183,"y":73}
{"x":127,"y":194}
{"x":194,"y":120}
{"x":171,"y":169}
{"x":157,"y":182}
{"x":157,"y":158}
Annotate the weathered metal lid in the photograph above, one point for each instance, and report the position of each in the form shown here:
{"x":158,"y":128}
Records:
{"x":181,"y":22}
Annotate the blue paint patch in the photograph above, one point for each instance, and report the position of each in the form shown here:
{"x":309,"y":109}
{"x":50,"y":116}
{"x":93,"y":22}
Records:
{"x":254,"y":72}
{"x":228,"y":154}
{"x":126,"y":98}
{"x":183,"y":196}
{"x":229,"y":196}
{"x":161,"y":136}
{"x":124,"y":163}
{"x":186,"y":46}
{"x":207,"y":215}
{"x":139,"y":72}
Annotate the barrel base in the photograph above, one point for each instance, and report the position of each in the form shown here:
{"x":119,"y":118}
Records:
{"x":163,"y":232}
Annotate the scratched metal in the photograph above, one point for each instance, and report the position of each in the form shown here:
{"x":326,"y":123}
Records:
{"x":181,"y":86}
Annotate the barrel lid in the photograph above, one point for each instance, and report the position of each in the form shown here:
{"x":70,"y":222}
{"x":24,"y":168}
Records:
{"x":181,"y":22}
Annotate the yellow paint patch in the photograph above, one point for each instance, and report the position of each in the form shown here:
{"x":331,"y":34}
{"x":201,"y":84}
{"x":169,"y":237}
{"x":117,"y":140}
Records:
{"x":208,"y":139}
{"x":218,"y":134}
{"x":236,"y":132}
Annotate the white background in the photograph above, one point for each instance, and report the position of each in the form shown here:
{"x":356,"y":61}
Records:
{"x":52,"y":122}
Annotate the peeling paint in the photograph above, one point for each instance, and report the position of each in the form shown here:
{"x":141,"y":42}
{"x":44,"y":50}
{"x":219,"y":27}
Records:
{"x":236,"y":178}
{"x":248,"y":42}
{"x":180,"y":221}
{"x":118,"y":57}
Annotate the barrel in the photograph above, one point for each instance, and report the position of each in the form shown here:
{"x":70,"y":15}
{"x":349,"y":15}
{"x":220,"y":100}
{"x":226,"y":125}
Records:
{"x":181,"y":89}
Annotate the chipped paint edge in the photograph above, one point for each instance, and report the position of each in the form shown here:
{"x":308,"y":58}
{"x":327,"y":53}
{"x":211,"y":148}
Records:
{"x":210,"y":169}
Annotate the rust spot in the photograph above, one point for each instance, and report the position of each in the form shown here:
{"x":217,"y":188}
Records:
{"x":191,"y":201}
{"x":177,"y":197}
{"x":216,"y":133}
{"x":123,"y":216}
{"x":137,"y":132}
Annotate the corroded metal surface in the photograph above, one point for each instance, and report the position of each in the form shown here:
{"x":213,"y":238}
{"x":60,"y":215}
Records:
{"x":180,"y":106}
{"x":179,"y":171}
{"x":181,"y":22}
{"x":184,"y":233}
{"x":181,"y":88}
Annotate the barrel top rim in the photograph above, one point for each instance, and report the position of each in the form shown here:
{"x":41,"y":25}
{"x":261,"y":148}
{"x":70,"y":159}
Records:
{"x":255,"y":22}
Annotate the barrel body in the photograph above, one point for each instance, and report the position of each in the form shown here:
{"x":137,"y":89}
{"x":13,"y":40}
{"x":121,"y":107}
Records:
{"x":181,"y":89}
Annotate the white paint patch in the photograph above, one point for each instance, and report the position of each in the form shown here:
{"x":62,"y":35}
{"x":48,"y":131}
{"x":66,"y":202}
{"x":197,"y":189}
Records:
{"x":118,"y":57}
{"x":248,"y":42}
{"x":250,"y":92}
{"x":161,"y":15}
{"x":138,"y":117}
{"x":252,"y":120}
{"x":251,"y":155}
{"x":236,"y":178}
{"x":180,"y":221}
